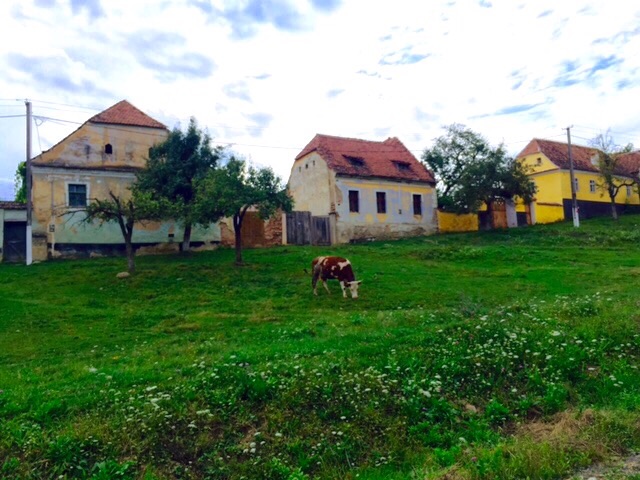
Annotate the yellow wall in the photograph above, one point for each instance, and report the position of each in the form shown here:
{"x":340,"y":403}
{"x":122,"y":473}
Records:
{"x":451,"y":222}
{"x":554,"y":186}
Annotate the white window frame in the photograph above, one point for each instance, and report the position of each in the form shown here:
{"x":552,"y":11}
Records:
{"x":66,"y":192}
{"x":592,"y":186}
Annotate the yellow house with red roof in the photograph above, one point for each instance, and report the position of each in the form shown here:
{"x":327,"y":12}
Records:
{"x":548,"y":162}
{"x":102,"y":155}
{"x":354,"y":190}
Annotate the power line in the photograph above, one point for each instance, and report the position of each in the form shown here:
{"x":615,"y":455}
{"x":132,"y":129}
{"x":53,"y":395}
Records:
{"x":66,"y":105}
{"x":12,"y":116}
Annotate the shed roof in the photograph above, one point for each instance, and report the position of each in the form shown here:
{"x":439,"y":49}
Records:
{"x":5,"y":205}
{"x":364,"y":158}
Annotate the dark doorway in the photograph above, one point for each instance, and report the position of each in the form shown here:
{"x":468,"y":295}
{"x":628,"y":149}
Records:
{"x":15,"y":242}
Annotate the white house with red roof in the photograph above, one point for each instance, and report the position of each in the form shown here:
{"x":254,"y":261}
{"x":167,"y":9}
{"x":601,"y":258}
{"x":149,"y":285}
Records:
{"x":360,"y":190}
{"x":102,"y":155}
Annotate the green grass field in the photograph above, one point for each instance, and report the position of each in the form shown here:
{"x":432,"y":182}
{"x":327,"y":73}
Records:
{"x":506,"y":354}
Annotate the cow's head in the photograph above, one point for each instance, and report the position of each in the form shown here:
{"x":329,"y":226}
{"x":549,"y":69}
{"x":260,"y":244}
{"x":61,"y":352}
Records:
{"x":353,"y":288}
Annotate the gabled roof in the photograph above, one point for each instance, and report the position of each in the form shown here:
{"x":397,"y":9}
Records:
{"x":558,"y":153}
{"x":583,"y":157}
{"x":123,"y":113}
{"x":364,"y":158}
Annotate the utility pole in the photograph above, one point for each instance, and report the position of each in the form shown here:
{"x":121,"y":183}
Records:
{"x":574,"y":201}
{"x":28,"y":186}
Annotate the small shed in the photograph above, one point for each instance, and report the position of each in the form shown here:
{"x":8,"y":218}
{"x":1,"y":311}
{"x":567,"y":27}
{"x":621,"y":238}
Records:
{"x":13,"y":231}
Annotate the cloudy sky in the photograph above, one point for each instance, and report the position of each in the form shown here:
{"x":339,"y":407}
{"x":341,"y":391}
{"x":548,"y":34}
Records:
{"x":266,"y":75}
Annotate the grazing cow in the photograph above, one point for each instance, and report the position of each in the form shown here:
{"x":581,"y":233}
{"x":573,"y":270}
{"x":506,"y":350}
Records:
{"x":338,"y":268}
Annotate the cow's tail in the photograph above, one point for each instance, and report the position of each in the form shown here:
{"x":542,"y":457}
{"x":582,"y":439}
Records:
{"x":306,"y":271}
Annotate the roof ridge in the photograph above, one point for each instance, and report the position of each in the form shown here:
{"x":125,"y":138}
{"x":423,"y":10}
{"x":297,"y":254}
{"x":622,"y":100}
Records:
{"x":125,"y":113}
{"x":350,"y":138}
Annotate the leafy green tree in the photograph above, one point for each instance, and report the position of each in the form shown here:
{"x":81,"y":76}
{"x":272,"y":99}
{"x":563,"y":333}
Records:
{"x":450,"y":157}
{"x":471,"y":173}
{"x":609,"y":180}
{"x":230,"y":190}
{"x":126,"y":212}
{"x":174,"y":168}
{"x":21,"y":182}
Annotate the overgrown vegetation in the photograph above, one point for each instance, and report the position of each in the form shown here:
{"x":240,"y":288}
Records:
{"x":506,"y":354}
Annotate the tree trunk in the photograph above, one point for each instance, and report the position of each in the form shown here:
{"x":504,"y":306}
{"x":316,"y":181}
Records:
{"x":186,"y":239}
{"x":614,"y":211}
{"x":612,"y":197}
{"x":237,"y":227}
{"x":131,"y":262}
{"x":490,"y":214}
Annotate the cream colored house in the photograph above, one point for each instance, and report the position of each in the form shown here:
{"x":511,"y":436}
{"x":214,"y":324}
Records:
{"x":102,"y":155}
{"x":358,"y":190}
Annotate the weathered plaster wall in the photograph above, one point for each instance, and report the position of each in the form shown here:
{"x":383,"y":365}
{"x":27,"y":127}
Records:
{"x":82,"y":158}
{"x":61,"y":224}
{"x":311,"y":185}
{"x":398,"y":221}
{"x":85,"y":148}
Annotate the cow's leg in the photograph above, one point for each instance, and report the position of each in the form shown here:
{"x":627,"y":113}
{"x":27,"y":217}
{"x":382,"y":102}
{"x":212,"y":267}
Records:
{"x":326,"y":287}
{"x":314,"y":283}
{"x":344,"y":290}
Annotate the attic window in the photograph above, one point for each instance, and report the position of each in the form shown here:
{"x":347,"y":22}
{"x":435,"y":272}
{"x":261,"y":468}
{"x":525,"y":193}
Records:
{"x":108,"y":149}
{"x":539,"y":161}
{"x":402,"y":166}
{"x":355,"y":161}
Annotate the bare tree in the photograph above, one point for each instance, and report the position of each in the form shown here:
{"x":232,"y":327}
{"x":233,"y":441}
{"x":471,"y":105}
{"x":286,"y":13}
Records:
{"x":126,"y":212}
{"x":610,"y":180}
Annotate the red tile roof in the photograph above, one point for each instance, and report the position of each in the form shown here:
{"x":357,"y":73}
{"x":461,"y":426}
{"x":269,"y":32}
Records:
{"x":629,"y":163}
{"x":123,"y":113}
{"x":558,"y":153}
{"x":365,"y":158}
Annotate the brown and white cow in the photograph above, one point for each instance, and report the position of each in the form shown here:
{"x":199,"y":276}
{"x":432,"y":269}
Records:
{"x":338,"y":268}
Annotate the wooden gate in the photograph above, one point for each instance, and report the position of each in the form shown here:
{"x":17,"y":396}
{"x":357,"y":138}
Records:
{"x":15,"y":242}
{"x":494,"y":217}
{"x":252,"y":230}
{"x":305,"y":229}
{"x":320,"y":231}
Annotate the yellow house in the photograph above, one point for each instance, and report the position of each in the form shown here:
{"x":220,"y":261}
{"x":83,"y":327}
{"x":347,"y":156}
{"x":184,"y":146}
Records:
{"x":548,"y":162}
{"x":353,"y":190}
{"x":101,"y":156}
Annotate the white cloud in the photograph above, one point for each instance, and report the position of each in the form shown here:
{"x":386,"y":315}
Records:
{"x":266,"y":76}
